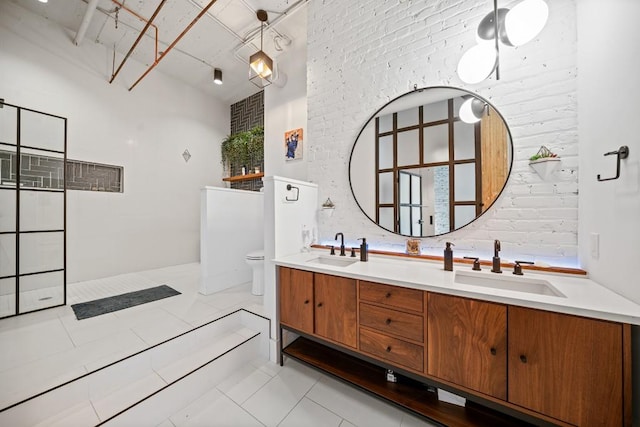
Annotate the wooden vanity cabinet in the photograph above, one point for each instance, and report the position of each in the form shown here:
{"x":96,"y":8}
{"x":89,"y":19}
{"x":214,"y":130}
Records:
{"x":319,"y":304}
{"x":296,"y":299}
{"x":560,"y":368}
{"x":567,"y":367}
{"x":467,"y":343}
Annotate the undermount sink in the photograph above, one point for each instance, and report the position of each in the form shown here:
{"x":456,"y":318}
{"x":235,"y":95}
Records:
{"x":507,"y":282}
{"x":336,"y":262}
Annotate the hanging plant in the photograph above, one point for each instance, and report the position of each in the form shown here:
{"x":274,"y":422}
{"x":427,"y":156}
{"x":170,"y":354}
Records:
{"x":243,"y":148}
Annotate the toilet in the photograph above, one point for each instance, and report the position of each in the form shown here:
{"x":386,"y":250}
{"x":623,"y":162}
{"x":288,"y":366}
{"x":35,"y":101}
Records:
{"x":255,"y":260}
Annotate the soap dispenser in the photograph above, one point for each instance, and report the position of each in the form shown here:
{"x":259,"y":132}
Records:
{"x":448,"y":257}
{"x":364,"y":250}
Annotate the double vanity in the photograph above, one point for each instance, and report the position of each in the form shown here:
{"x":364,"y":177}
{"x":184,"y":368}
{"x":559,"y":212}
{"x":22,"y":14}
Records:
{"x":547,"y":349}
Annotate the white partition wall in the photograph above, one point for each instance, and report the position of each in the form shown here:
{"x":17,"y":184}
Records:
{"x":231,"y":225}
{"x":286,"y":214}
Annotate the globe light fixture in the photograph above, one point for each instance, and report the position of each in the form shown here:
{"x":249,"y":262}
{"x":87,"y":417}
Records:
{"x":513,"y":27}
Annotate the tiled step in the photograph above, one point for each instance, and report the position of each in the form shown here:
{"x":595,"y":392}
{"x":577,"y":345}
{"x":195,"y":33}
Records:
{"x":156,"y":409}
{"x":121,"y":390}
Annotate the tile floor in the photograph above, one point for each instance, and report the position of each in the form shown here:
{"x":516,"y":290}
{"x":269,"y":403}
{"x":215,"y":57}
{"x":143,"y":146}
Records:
{"x":265,"y":394}
{"x":43,"y":349}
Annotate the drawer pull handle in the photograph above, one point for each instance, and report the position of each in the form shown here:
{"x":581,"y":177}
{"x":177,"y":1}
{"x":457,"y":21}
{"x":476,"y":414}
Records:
{"x":388,"y":321}
{"x":493,"y":351}
{"x":306,"y":301}
{"x":523,"y":358}
{"x":319,"y":304}
{"x":389,"y":349}
{"x":388,"y":295}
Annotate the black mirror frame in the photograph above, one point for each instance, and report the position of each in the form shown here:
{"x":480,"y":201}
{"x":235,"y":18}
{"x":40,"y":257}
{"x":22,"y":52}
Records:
{"x":420,"y":90}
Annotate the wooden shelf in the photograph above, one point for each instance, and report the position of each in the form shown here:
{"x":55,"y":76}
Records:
{"x":247,"y":177}
{"x":406,"y":393}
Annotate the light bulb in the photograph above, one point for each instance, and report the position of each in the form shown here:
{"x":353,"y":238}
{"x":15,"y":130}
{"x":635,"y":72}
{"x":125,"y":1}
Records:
{"x":477,"y":63}
{"x":525,"y":21}
{"x":469,"y":110}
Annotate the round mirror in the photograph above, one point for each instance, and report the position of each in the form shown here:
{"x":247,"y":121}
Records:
{"x":418,"y":169}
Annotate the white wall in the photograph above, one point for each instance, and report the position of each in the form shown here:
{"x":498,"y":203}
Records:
{"x":231,"y":226}
{"x":155,"y":222}
{"x":284,"y":222}
{"x":608,"y":90}
{"x":362,"y":54}
{"x":285,"y":108}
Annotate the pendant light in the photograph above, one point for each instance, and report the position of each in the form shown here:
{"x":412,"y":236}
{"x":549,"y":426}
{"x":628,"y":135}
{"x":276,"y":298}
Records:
{"x":261,"y":66}
{"x":513,"y":27}
{"x":217,"y":76}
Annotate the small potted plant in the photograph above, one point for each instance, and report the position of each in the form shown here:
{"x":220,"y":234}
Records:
{"x":544,"y":162}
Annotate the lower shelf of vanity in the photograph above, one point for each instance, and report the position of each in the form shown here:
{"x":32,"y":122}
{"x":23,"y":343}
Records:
{"x":406,"y":393}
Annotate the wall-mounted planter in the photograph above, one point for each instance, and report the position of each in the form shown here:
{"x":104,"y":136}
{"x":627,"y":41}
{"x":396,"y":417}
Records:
{"x":545,"y":167}
{"x":327,"y":212}
{"x":327,"y":209}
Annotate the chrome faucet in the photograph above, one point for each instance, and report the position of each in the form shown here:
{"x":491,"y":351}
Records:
{"x":496,"y":257}
{"x":341,"y":243}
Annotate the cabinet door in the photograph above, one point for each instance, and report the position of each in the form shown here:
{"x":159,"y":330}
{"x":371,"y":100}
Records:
{"x":296,"y":299}
{"x":467,"y":343}
{"x":335,"y":308}
{"x":566,"y":367}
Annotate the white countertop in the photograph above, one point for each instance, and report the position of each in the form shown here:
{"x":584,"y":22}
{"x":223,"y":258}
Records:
{"x":583,"y":296}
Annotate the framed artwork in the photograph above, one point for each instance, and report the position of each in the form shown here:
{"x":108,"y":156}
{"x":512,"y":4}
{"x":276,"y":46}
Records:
{"x":293,"y":144}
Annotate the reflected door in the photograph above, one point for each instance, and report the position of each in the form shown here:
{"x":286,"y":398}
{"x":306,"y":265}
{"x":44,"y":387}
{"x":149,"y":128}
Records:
{"x":410,"y":194}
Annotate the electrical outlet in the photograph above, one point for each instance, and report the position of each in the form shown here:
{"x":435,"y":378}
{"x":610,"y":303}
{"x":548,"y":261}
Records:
{"x":391,"y":376}
{"x":594,"y":245}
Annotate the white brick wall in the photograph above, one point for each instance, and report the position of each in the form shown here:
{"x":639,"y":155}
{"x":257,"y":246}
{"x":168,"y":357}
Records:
{"x":363,"y":53}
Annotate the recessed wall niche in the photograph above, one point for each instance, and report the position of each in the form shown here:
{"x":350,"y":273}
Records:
{"x":41,"y":171}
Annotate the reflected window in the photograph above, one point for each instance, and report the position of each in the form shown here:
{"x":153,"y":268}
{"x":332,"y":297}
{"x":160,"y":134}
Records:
{"x":434,"y":161}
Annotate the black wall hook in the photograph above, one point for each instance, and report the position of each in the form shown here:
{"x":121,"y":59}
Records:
{"x":289,"y":188}
{"x":622,"y":153}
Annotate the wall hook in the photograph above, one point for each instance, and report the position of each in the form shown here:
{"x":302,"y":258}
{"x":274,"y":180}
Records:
{"x":622,"y":153}
{"x":289,"y":188}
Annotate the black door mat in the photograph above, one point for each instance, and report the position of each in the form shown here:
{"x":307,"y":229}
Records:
{"x":97,"y":307}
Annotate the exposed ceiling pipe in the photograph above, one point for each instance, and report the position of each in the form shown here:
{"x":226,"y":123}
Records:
{"x":269,"y":25}
{"x":217,"y":21}
{"x":143,"y":19}
{"x":84,"y":25}
{"x":108,"y":13}
{"x":196,"y":19}
{"x":138,"y":40}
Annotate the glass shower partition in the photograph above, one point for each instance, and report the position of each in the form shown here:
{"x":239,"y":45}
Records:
{"x":32,"y":210}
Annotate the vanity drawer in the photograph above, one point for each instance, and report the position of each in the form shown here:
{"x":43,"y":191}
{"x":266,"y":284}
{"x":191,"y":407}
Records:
{"x":393,"y":296}
{"x":392,"y":349}
{"x":395,"y":322}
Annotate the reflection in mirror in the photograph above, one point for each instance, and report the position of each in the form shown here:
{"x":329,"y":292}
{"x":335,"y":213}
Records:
{"x":417,"y":169}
